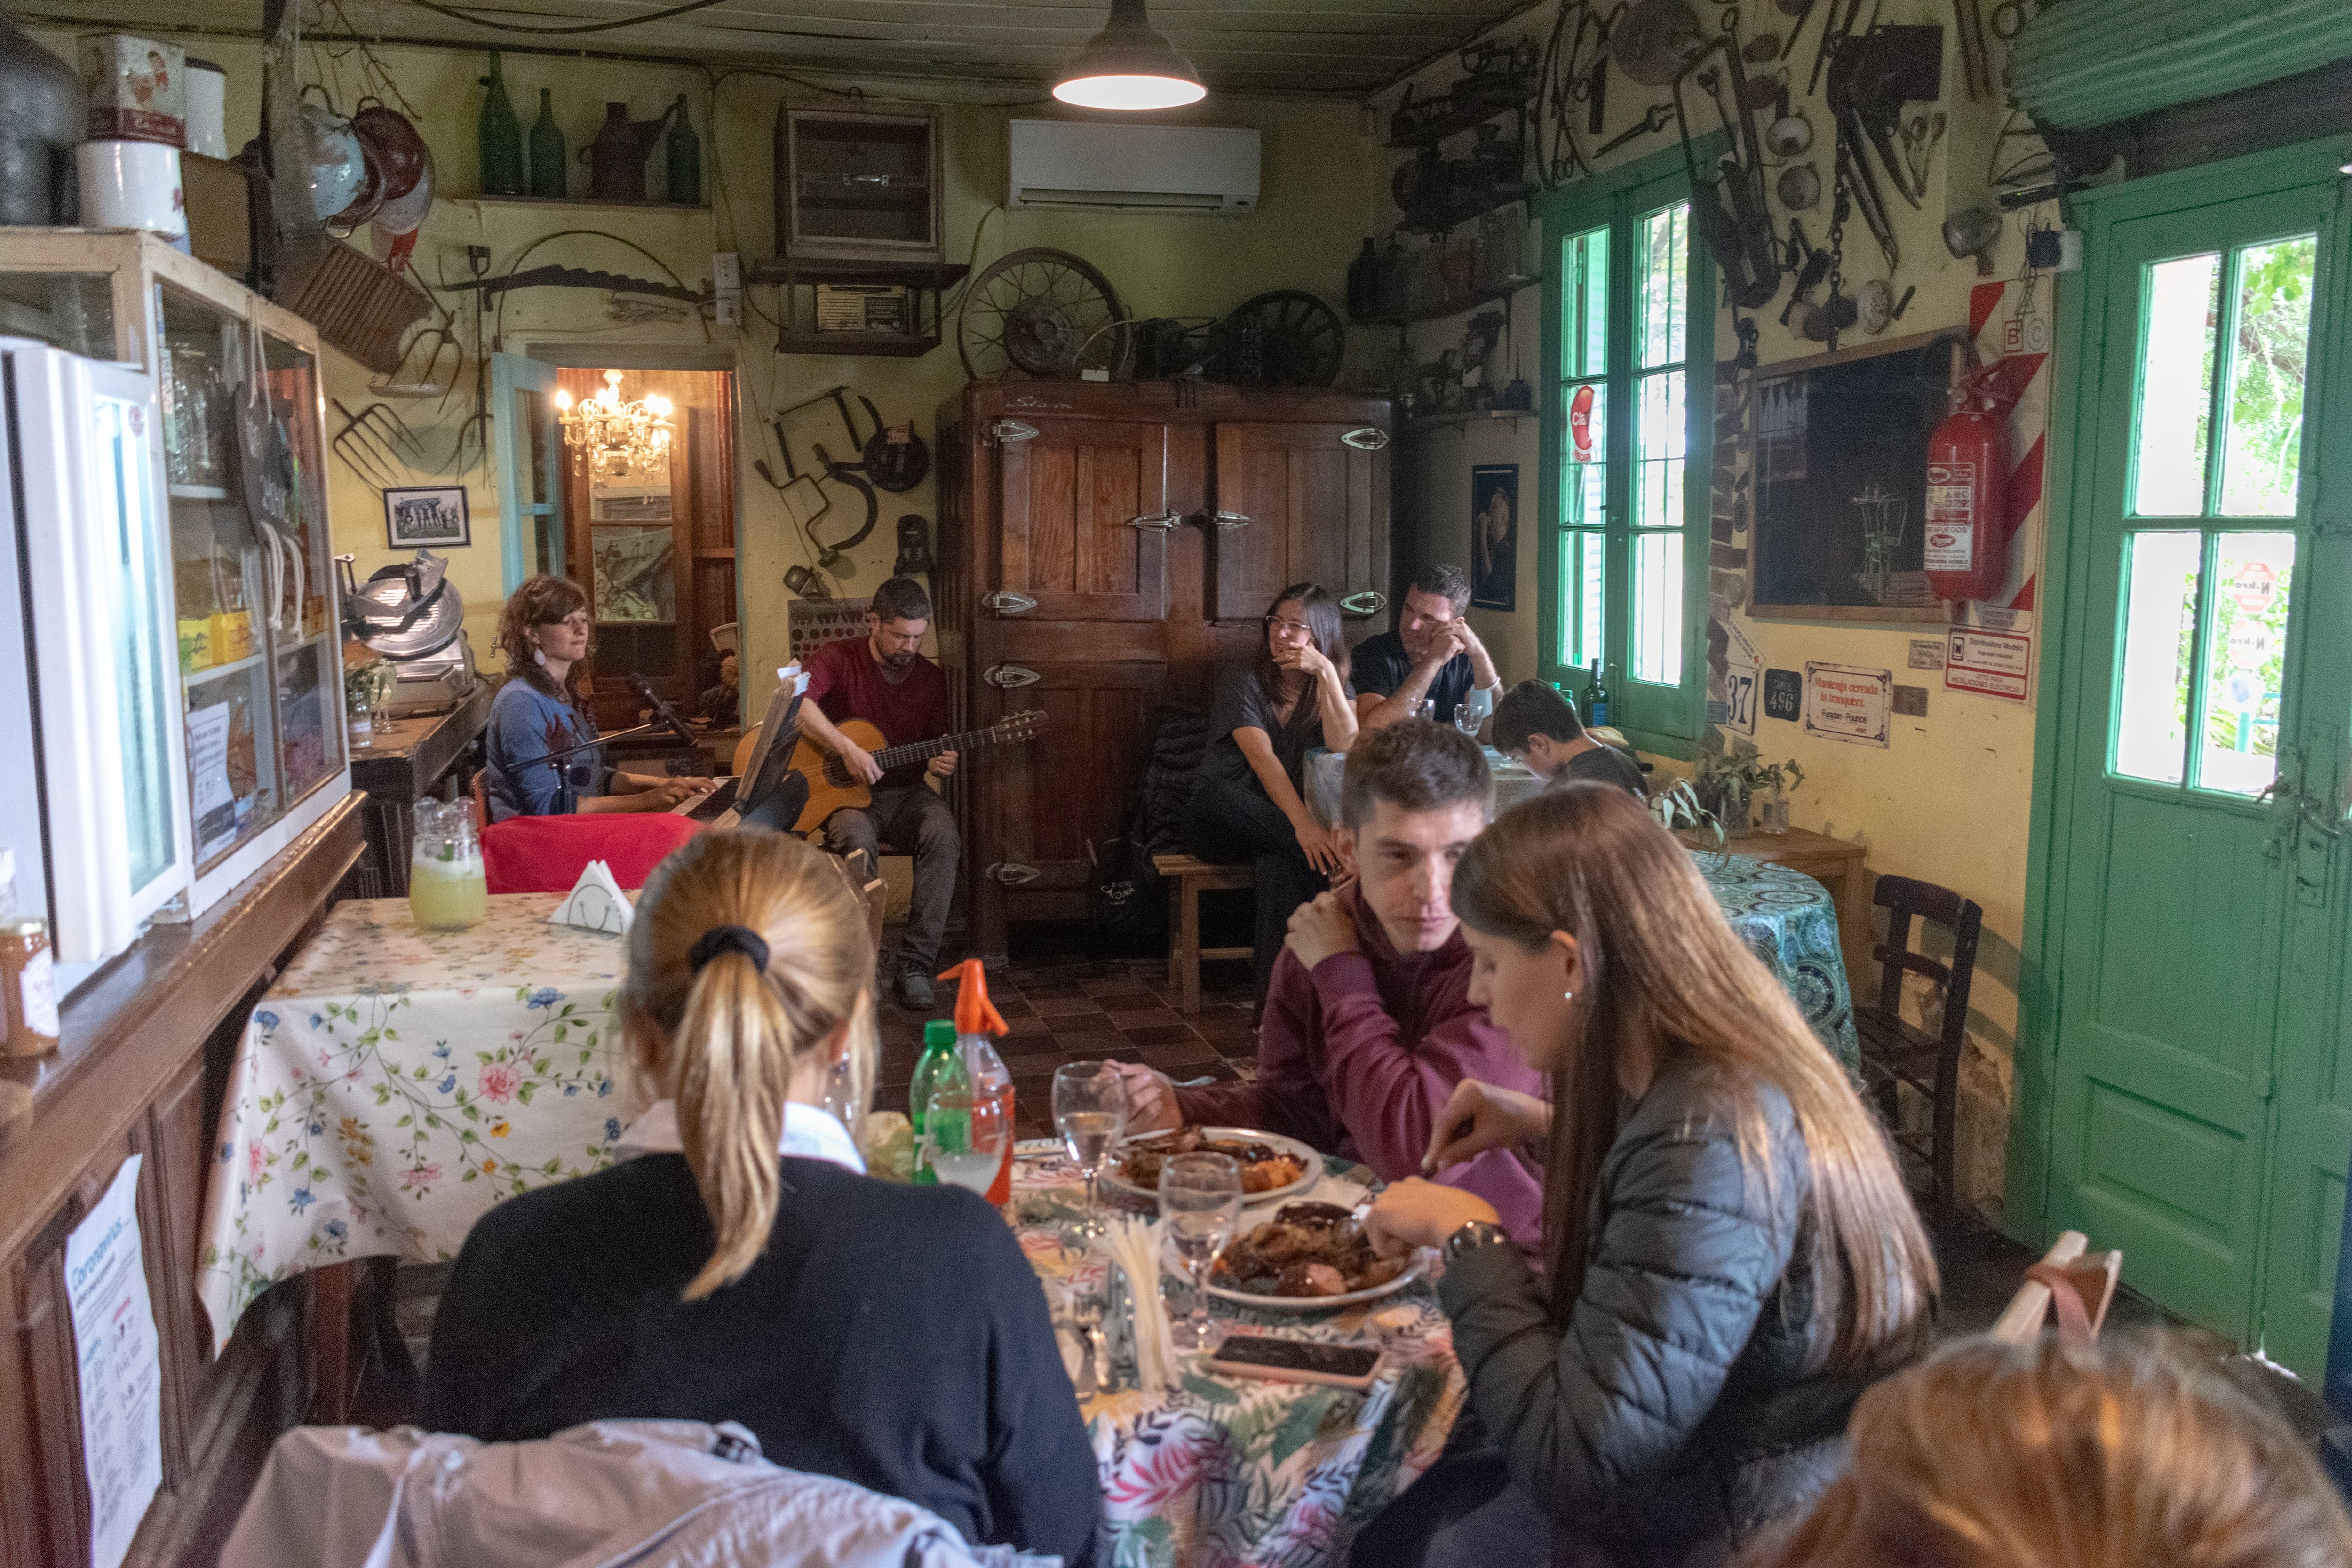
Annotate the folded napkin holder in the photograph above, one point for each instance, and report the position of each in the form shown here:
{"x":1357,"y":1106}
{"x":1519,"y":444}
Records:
{"x":595,"y":902}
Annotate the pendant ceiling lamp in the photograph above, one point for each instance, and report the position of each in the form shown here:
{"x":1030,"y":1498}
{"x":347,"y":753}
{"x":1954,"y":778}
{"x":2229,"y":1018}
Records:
{"x":1128,"y":65}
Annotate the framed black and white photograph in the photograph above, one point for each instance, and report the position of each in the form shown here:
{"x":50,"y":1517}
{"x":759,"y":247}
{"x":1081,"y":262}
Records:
{"x":427,"y":515}
{"x":1495,"y":536}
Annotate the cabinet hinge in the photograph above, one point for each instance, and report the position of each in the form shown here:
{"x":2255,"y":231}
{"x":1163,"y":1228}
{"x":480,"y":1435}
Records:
{"x":1008,"y":676}
{"x":1005,"y":602}
{"x":1158,"y":522}
{"x":1008,"y":430}
{"x":1011,"y":873}
{"x":1370,"y":601}
{"x":1230,"y":519}
{"x":1371,"y":438}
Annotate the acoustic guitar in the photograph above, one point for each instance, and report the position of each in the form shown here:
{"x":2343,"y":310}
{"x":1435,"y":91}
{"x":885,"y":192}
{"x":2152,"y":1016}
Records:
{"x":832,"y":786}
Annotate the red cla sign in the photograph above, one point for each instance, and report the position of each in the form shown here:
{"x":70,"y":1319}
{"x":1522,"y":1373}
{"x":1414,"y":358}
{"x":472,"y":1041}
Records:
{"x":2255,"y":587}
{"x":1580,"y":424}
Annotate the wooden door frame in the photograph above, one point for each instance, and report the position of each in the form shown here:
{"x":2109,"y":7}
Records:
{"x":2068,"y":569}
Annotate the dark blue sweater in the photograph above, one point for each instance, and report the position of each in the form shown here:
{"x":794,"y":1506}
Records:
{"x":894,"y":1336}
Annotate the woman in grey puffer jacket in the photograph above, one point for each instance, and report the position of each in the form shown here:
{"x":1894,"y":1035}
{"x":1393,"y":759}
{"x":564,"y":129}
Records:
{"x":1730,"y":1254}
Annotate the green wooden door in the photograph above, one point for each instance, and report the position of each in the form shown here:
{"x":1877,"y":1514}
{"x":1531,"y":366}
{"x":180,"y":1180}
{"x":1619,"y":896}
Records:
{"x":2200,"y":682}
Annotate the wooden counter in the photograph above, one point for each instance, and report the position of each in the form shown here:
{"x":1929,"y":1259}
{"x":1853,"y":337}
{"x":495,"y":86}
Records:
{"x":406,"y":762}
{"x":148,"y":1046}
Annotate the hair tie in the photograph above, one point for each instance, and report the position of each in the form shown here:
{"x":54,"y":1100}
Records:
{"x":728,"y":939}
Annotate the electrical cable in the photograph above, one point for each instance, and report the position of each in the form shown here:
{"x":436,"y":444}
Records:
{"x":466,"y":16}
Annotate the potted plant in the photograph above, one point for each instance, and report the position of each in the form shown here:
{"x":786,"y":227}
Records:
{"x":1729,"y":786}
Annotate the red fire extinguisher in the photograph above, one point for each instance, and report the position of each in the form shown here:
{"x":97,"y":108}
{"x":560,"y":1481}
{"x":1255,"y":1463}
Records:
{"x":1968,"y":482}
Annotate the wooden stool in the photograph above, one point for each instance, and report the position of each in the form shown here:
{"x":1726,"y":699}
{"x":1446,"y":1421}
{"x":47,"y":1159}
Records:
{"x":1187,"y":879}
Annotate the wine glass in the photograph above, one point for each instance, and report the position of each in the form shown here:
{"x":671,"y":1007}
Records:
{"x":1201,"y":1200}
{"x":966,"y":1136}
{"x":1469,"y":723}
{"x":1090,"y":1109}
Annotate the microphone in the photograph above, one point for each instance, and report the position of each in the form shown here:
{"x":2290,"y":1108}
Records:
{"x":663,"y":711}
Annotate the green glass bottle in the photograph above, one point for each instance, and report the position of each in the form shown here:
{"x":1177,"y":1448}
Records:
{"x":502,"y":138}
{"x":547,"y":168}
{"x":1596,"y":699}
{"x":683,"y":151}
{"x":940,"y":1064}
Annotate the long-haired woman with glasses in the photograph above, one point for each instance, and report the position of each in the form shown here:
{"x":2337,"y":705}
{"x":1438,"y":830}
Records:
{"x":542,"y":710}
{"x":1271,"y":710}
{"x":1730,"y":1257}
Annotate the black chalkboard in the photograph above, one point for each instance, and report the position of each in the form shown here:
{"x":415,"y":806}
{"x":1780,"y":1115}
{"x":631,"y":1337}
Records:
{"x":1840,"y":482}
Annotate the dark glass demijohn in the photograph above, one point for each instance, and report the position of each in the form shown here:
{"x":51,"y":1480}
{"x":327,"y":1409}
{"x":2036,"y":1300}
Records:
{"x":684,"y":154}
{"x":1364,"y":284}
{"x":502,"y":138}
{"x":617,"y":159}
{"x":41,"y":105}
{"x":546,"y":171}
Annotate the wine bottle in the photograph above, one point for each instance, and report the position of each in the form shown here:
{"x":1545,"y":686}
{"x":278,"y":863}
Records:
{"x":1596,"y":699}
{"x":502,"y":138}
{"x":683,"y":153}
{"x":548,"y":172}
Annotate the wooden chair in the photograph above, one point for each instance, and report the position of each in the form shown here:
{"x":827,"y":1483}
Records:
{"x":1894,"y":1053}
{"x":1187,"y":879}
{"x":2082,"y":1288}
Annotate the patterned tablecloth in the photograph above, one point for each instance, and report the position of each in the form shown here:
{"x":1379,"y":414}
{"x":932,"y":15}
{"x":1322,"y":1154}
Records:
{"x":1790,"y":922}
{"x":1225,"y":1472}
{"x":395,"y":1083}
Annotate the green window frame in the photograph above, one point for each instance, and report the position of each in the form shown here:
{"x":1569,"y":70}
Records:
{"x":1629,"y":320}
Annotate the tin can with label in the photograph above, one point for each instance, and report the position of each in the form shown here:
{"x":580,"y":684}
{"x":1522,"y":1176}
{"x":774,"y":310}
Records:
{"x":29,"y":990}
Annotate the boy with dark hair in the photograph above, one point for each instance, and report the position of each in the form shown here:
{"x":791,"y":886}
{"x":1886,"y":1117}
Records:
{"x":1368,"y":1024}
{"x":1537,"y":726}
{"x":883,"y":678}
{"x":1433,"y":654}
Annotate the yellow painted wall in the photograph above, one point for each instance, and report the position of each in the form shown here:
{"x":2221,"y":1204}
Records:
{"x":1311,"y":215}
{"x":1948,"y":801}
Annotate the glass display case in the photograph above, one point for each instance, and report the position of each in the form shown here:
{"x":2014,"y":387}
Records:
{"x":240,"y":445}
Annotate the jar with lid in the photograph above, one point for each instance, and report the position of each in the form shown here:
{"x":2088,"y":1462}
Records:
{"x":29,"y":990}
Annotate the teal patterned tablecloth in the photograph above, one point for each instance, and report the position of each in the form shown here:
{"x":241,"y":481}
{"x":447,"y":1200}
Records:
{"x":395,"y":1084}
{"x":1228,"y":1472}
{"x":1790,"y":922}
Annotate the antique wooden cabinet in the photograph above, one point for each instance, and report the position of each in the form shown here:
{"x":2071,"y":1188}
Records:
{"x":1102,"y":549}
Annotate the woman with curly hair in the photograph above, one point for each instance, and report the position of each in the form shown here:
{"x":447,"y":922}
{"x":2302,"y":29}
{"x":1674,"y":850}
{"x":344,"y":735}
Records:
{"x":540,"y":711}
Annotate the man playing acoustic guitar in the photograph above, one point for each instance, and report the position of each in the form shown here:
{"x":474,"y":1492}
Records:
{"x":881,"y":678}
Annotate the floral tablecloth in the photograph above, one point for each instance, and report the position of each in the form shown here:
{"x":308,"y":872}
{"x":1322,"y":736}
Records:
{"x":395,"y":1083}
{"x":1788,"y":921}
{"x":1226,"y":1472}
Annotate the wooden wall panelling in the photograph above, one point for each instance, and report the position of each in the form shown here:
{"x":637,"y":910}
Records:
{"x":1315,"y":507}
{"x":1068,"y":790}
{"x":20,"y":1478}
{"x":1068,"y":502}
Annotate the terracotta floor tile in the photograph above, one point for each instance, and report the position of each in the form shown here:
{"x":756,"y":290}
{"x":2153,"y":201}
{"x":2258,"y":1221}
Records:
{"x":1028,"y":1026}
{"x":1167,"y":1034}
{"x":1080,"y":1044}
{"x":1182,"y":1060}
{"x":1058,"y":1007}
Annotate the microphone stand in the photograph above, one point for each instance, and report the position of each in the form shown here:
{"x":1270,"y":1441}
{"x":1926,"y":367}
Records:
{"x":566,"y":797}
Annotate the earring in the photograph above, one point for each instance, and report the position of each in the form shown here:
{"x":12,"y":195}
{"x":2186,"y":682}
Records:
{"x":1567,"y":995}
{"x":539,"y":656}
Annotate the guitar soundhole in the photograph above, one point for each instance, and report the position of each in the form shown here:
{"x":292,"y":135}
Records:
{"x":836,"y":772}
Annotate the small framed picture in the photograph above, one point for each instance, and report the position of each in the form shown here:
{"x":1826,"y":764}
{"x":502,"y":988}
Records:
{"x":427,"y":515}
{"x":1495,"y":536}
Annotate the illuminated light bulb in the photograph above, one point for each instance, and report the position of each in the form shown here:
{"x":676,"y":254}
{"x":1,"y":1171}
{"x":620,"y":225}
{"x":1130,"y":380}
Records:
{"x":1126,"y":66}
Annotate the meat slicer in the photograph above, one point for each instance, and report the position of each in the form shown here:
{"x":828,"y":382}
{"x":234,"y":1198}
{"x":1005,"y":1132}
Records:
{"x":413,"y":615}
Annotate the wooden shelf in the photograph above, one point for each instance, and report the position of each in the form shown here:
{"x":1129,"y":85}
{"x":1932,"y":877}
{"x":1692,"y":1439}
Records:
{"x":1430,"y":133}
{"x":780,"y":271}
{"x":887,"y":345}
{"x":594,"y":202}
{"x":215,"y":671}
{"x":1492,"y":294}
{"x":1463,"y":421}
{"x":1461,"y":210}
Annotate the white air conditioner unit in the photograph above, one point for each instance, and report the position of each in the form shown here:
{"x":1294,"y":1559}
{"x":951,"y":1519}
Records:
{"x":1159,"y":168}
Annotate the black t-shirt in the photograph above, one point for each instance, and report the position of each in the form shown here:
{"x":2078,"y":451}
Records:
{"x":1382,"y":665}
{"x":1605,"y":764}
{"x":894,"y":1336}
{"x":1242,"y":702}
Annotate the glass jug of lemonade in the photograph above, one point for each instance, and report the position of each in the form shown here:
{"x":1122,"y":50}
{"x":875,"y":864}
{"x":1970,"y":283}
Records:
{"x":447,"y":887}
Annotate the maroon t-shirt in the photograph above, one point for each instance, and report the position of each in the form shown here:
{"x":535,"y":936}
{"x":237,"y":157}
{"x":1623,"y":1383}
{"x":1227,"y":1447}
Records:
{"x":846,"y":683}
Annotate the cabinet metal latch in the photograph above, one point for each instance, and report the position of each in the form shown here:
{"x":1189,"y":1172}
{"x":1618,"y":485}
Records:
{"x":1158,"y":522}
{"x":1370,"y":439}
{"x":1005,"y":602}
{"x":1370,"y":601}
{"x":1230,"y":519}
{"x":1008,"y":430}
{"x":1008,"y":676}
{"x":1011,"y":873}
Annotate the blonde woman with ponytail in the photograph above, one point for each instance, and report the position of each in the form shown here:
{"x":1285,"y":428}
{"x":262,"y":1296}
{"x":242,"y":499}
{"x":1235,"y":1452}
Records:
{"x":1729,"y":1256}
{"x":738,"y":1263}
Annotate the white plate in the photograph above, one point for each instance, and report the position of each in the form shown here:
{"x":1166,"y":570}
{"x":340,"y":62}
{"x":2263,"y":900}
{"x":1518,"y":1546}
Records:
{"x":1310,"y":1165}
{"x":1324,"y":1304}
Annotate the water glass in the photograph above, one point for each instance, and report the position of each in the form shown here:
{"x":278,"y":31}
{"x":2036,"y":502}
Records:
{"x":1469,"y":723}
{"x":1201,"y":1205}
{"x":1090,"y":1111}
{"x":965,"y":1136}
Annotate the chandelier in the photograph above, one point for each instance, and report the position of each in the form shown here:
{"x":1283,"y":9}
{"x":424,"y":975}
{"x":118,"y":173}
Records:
{"x":603,"y":429}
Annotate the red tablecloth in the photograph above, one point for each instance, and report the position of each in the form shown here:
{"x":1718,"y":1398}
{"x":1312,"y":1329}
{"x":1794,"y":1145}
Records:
{"x":547,"y":854}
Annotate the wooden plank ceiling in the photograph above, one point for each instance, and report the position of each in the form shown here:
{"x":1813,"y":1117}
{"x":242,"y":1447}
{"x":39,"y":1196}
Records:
{"x":1323,"y":48}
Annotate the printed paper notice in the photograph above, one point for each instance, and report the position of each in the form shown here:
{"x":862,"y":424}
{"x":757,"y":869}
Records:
{"x":1845,"y":703}
{"x":1991,"y":663}
{"x":120,"y":1365}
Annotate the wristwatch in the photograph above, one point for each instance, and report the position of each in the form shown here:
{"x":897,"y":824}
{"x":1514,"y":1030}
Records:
{"x":1476,"y":1232}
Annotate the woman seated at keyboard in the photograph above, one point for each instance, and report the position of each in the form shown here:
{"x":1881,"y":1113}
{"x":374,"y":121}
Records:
{"x":739,"y":1265}
{"x":540,"y":711}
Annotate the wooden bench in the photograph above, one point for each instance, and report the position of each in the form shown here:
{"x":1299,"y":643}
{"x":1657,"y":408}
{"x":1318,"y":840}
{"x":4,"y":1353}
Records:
{"x":1187,"y":879}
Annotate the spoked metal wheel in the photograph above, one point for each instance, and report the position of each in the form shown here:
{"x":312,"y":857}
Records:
{"x":1287,"y":338}
{"x":1040,"y":313}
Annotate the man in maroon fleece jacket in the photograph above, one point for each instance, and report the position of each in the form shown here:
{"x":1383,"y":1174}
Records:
{"x":1368,"y":1023}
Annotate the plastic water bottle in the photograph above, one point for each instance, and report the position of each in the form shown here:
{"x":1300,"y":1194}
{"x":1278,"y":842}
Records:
{"x":976,"y":1018}
{"x":939,"y":1067}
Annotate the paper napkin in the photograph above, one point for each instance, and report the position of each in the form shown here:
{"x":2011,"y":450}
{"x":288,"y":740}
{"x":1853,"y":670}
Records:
{"x":595,"y":902}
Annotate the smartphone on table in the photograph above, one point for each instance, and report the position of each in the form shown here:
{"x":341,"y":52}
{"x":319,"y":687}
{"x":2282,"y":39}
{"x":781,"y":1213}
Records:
{"x":1296,"y":1361}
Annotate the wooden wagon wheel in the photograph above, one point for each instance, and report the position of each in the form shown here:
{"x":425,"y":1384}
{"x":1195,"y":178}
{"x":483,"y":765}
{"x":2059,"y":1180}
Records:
{"x":1041,"y":313}
{"x":1286,"y":338}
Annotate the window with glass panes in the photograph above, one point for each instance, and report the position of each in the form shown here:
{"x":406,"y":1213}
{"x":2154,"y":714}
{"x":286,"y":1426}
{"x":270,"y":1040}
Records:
{"x":1631,"y":328}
